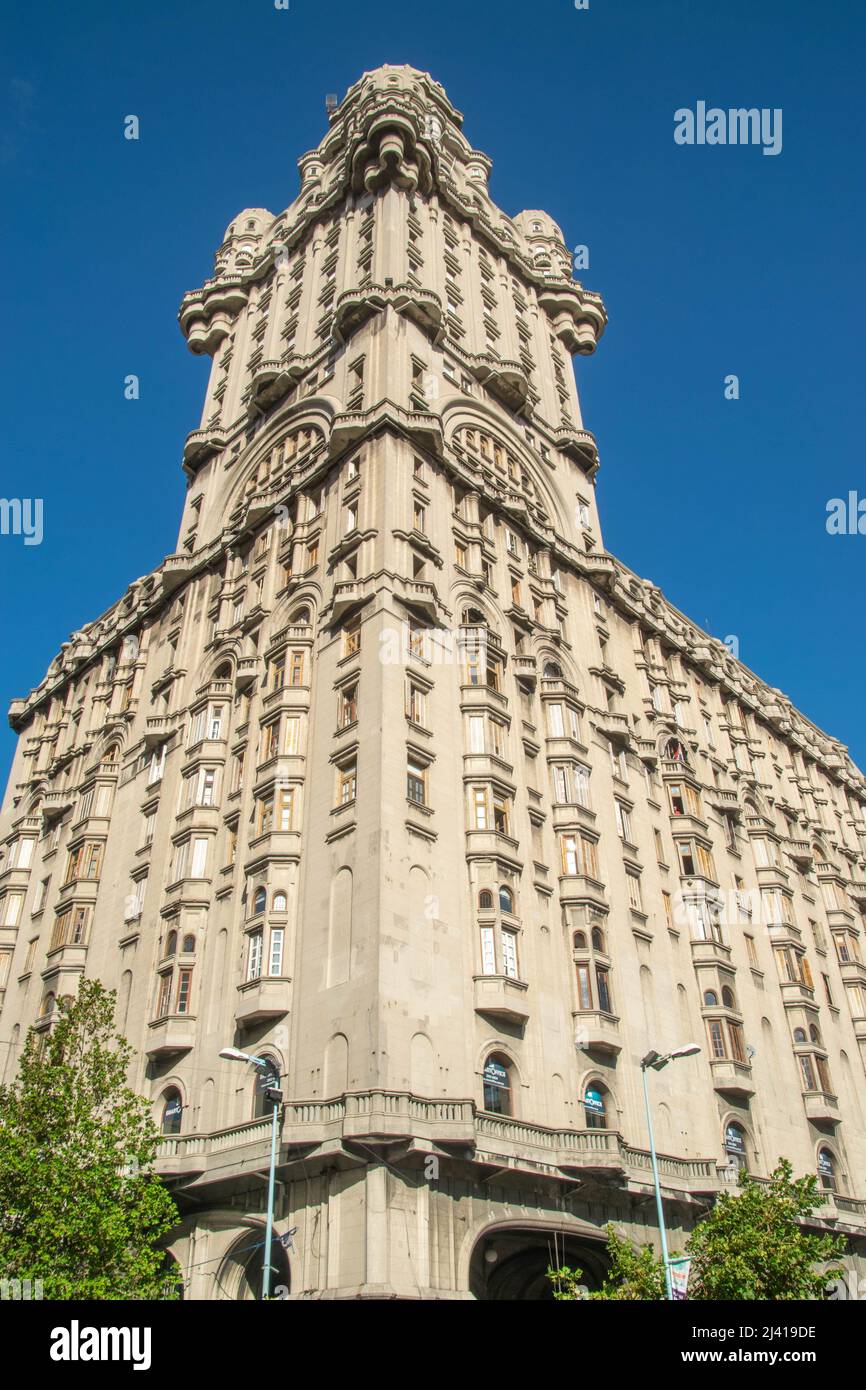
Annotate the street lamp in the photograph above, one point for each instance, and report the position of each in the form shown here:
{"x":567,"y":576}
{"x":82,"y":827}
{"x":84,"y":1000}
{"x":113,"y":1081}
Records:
{"x":234,"y":1054}
{"x":656,"y":1060}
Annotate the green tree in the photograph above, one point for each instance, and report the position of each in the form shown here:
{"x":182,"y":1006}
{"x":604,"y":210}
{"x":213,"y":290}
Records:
{"x":633,"y":1274}
{"x":80,"y":1206}
{"x":753,"y":1245}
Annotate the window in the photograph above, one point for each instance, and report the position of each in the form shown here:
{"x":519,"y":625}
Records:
{"x":623,"y":820}
{"x":826,"y":1170}
{"x":199,"y":858}
{"x":254,"y":956}
{"x":634,"y":892}
{"x":296,"y":668}
{"x":497,"y":1086}
{"x":506,"y":900}
{"x":416,"y":704}
{"x":348,"y":705}
{"x":416,"y":783}
{"x":164,"y":994}
{"x":275,"y":963}
{"x":594,"y":1106}
{"x":267,"y":1079}
{"x":602,"y":980}
{"x":11,"y":908}
{"x":172,"y":1112}
{"x":509,"y":954}
{"x":352,"y":637}
{"x":579,"y":855}
{"x":346,"y":783}
{"x":260,"y":901}
{"x":735,"y":1147}
{"x":750,"y":951}
{"x":184,"y":986}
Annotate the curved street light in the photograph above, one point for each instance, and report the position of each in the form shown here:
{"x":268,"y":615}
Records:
{"x":656,"y":1061}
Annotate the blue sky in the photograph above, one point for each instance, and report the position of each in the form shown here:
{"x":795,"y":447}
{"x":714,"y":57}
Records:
{"x":712,"y":260}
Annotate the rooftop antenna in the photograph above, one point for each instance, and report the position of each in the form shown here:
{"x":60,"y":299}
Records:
{"x":332,"y":101}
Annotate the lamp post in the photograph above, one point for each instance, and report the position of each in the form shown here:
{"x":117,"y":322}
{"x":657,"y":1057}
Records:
{"x":657,"y":1061}
{"x":233,"y":1054}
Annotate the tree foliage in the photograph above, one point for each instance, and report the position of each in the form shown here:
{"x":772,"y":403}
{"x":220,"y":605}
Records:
{"x":753,"y":1244}
{"x":80,"y":1206}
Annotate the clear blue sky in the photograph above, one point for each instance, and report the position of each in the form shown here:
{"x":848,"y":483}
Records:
{"x":711,"y":261}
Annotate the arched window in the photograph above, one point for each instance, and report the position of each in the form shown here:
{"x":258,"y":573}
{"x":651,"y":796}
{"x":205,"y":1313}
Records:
{"x":111,"y":756}
{"x":735,"y":1147}
{"x":172,"y":1112}
{"x":265,"y":1081}
{"x":485,"y":900}
{"x":497,"y":1085}
{"x":674,"y":751}
{"x":260,"y":901}
{"x":552,"y":670}
{"x":473,"y":617}
{"x":579,"y":941}
{"x":814,"y":1035}
{"x":826,"y":1170}
{"x":188,"y":945}
{"x":47,"y":1006}
{"x":280,"y":903}
{"x":300,"y":617}
{"x":598,"y":940}
{"x":711,"y":999}
{"x":171,"y":943}
{"x":223,"y":672}
{"x":595,"y":1106}
{"x":506,"y":899}
{"x":799,"y":1035}
{"x":728,"y":998}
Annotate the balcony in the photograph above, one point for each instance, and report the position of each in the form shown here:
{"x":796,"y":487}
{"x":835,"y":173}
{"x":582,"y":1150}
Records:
{"x":595,"y":1031}
{"x":248,"y":669}
{"x":56,"y":803}
{"x":175,"y":569}
{"x":419,"y":595}
{"x":612,"y":725}
{"x":709,"y":952}
{"x":579,"y":445}
{"x":582,"y":889}
{"x":171,"y":1035}
{"x":488,"y":844}
{"x":731,"y":1078}
{"x":524,"y":666}
{"x":202,"y":444}
{"x":261,"y":999}
{"x":796,"y":992}
{"x":821,"y":1107}
{"x":501,"y":997}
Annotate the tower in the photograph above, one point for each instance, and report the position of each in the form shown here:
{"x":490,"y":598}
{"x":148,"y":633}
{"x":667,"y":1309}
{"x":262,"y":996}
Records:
{"x":393,"y":775}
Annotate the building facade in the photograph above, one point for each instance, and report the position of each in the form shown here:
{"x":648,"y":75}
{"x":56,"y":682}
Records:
{"x":394,"y":777}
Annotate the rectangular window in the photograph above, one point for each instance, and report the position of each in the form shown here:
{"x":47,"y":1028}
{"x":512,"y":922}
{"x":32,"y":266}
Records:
{"x":348,"y":706}
{"x":509,"y":955}
{"x":560,"y":783}
{"x":501,"y":814}
{"x":184,"y":986}
{"x":346,"y":783}
{"x":199,"y":858}
{"x":634,"y":892}
{"x":717,"y":1037}
{"x":488,"y":951}
{"x":555,"y":722}
{"x":164,"y":996}
{"x":623,"y":821}
{"x":416,"y":704}
{"x":254,"y":958}
{"x":480,"y":810}
{"x":808,"y":1073}
{"x":416,"y":783}
{"x":351,"y":638}
{"x":275,"y":964}
{"x":285,"y":808}
{"x":12,"y":909}
{"x":602,"y":980}
{"x":296,"y":668}
{"x":584,"y":987}
{"x":750,"y":951}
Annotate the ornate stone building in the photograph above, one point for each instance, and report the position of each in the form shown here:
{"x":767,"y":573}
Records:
{"x":393,"y":776}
